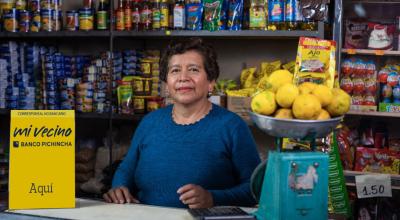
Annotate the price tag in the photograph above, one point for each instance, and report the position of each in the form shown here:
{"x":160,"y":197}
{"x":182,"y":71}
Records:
{"x":351,"y":51}
{"x":379,"y":52}
{"x":373,"y":185}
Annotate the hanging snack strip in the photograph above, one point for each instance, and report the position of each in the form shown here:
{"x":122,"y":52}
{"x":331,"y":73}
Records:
{"x":315,"y":61}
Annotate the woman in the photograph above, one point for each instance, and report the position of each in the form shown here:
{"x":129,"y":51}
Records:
{"x":193,"y":153}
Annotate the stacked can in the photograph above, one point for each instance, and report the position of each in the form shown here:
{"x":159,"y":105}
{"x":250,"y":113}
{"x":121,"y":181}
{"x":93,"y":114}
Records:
{"x":68,"y":67}
{"x":67,"y":93}
{"x":80,"y":63}
{"x":32,"y":62}
{"x":100,"y":102}
{"x":3,"y":82}
{"x":12,"y":94}
{"x":36,"y":19}
{"x":26,"y":98}
{"x":9,"y":52}
{"x":140,"y":55}
{"x":84,"y":97}
{"x":129,"y":63}
{"x":50,"y":86}
{"x":117,"y":69}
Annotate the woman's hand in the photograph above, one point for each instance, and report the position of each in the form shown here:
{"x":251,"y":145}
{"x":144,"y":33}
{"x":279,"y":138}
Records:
{"x":119,"y":195}
{"x":195,"y":196}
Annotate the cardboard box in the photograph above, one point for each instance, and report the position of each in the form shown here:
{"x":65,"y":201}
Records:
{"x":240,"y":106}
{"x":364,"y":108}
{"x":389,"y":107}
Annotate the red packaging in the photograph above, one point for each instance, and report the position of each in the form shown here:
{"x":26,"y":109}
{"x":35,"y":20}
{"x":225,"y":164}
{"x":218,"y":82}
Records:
{"x":357,"y":100}
{"x":358,"y":86}
{"x":346,"y":84}
{"x":383,"y":75}
{"x":370,"y":85}
{"x":369,"y":100}
{"x":347,"y":67}
{"x":377,"y":160}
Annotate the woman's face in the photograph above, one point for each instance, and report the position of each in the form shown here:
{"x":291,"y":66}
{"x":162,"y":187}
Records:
{"x":187,"y":79}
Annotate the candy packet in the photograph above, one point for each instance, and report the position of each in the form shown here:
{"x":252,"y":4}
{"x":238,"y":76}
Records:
{"x":194,"y":12}
{"x":212,"y":10}
{"x":235,"y":15}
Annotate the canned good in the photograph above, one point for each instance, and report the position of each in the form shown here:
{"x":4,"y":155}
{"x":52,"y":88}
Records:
{"x":34,"y":5}
{"x":20,"y":4}
{"x":57,"y":20}
{"x":85,"y":19}
{"x":72,"y":20}
{"x":36,"y":22}
{"x":46,"y":4}
{"x":47,"y":19}
{"x":10,"y":20}
{"x":6,"y":4}
{"x":57,"y":4}
{"x":24,"y":20}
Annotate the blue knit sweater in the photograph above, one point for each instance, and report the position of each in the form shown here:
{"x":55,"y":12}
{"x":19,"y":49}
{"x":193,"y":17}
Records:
{"x":217,"y":153}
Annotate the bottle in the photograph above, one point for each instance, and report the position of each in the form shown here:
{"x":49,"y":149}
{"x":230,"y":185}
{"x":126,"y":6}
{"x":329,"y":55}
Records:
{"x":164,"y":15}
{"x":119,"y":17}
{"x":156,"y":15}
{"x":146,"y":16}
{"x":275,"y":14}
{"x":290,"y":14}
{"x":179,"y":15}
{"x":102,"y":15}
{"x":128,"y":15}
{"x":136,"y":15}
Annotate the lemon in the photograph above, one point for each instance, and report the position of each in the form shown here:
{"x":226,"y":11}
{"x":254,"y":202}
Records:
{"x":307,"y":87}
{"x":264,"y":103}
{"x":323,"y":115}
{"x":284,"y":113}
{"x":279,"y":78}
{"x":286,"y":95}
{"x":340,"y":104}
{"x":306,"y":106}
{"x":323,"y":94}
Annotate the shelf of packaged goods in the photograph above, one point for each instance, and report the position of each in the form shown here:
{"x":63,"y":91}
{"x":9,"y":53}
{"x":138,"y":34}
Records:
{"x":93,"y":115}
{"x":371,"y":52}
{"x":375,"y":114}
{"x":55,"y":34}
{"x":218,"y":34}
{"x":351,"y":180}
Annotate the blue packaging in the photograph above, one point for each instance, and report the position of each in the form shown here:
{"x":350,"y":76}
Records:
{"x":223,"y":15}
{"x":194,"y":13}
{"x":276,"y":10}
{"x":235,"y":15}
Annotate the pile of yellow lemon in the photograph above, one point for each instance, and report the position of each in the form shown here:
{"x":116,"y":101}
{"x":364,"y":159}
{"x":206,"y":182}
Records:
{"x":308,"y":101}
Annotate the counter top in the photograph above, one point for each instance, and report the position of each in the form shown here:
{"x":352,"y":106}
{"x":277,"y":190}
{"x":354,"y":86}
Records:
{"x":98,"y":210}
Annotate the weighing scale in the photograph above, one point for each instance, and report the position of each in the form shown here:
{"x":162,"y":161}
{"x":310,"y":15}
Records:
{"x":292,"y":184}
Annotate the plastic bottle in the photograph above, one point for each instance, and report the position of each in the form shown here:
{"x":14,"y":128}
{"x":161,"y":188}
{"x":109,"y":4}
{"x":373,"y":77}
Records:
{"x":156,"y":11}
{"x":146,"y":16}
{"x":164,"y":15}
{"x":179,"y":15}
{"x":119,"y":17}
{"x":128,"y":15}
{"x":102,"y":15}
{"x":136,"y":15}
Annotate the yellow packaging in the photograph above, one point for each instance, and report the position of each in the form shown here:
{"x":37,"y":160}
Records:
{"x":268,"y":68}
{"x":315,"y":61}
{"x":241,"y":92}
{"x":245,"y":75}
{"x":290,"y":66}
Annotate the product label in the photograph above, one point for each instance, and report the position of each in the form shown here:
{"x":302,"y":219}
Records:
{"x":276,"y":12}
{"x":119,"y":21}
{"x":145,"y":16}
{"x":42,"y":159}
{"x":156,"y":18}
{"x":179,"y":17}
{"x":136,"y":17}
{"x":128,"y":18}
{"x":102,"y":20}
{"x":164,"y":17}
{"x":257,"y":18}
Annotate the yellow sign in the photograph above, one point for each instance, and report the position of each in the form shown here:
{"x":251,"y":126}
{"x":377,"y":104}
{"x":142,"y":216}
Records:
{"x":42,"y":159}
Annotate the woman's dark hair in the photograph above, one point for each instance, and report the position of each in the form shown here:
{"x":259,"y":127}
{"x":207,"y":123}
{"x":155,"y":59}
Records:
{"x":193,"y":44}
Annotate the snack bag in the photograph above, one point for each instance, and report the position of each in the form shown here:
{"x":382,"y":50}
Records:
{"x":194,"y":12}
{"x":268,"y":68}
{"x":125,"y":93}
{"x":235,"y":13}
{"x":223,"y":15}
{"x":245,"y":74}
{"x":212,"y":10}
{"x":315,"y":61}
{"x":289,"y":66}
{"x":241,"y":92}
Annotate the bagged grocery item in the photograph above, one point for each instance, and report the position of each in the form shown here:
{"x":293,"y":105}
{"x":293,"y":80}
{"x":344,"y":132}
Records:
{"x":245,"y":74}
{"x":315,"y":61}
{"x":212,"y":10}
{"x":194,"y":12}
{"x":235,"y":13}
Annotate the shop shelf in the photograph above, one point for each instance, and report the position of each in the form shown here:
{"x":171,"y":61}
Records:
{"x":376,"y":114}
{"x":372,"y":52}
{"x":218,"y":34}
{"x":56,"y":34}
{"x":350,"y":178}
